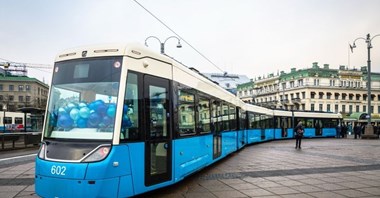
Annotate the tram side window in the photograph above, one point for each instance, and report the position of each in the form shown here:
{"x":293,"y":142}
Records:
{"x":186,"y":113}
{"x":130,"y":120}
{"x":7,"y":120}
{"x":204,"y":115}
{"x":309,"y":123}
{"x":232,"y":117}
{"x":225,"y":117}
{"x":18,"y":120}
{"x":214,"y":116}
{"x":242,"y":120}
{"x":329,"y":123}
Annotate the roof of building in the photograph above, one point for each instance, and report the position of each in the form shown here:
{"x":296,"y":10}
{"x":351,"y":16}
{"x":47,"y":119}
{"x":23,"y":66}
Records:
{"x":21,"y":79}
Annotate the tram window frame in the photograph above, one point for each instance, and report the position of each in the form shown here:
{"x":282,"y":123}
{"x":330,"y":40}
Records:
{"x":215,"y":116}
{"x":18,"y":120}
{"x":242,"y":119}
{"x":133,"y":133}
{"x":225,"y":117}
{"x":203,"y":109}
{"x":190,"y":112}
{"x":232,"y":117}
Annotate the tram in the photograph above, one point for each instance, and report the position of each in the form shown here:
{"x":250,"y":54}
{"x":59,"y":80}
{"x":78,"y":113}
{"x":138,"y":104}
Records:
{"x":122,"y":120}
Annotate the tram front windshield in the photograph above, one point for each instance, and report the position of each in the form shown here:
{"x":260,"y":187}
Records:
{"x":83,"y":97}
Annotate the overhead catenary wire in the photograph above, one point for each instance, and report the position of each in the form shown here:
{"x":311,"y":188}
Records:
{"x":159,"y":20}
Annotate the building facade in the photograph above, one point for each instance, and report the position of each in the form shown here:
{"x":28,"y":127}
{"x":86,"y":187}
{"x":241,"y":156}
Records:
{"x":315,"y":89}
{"x":17,"y":92}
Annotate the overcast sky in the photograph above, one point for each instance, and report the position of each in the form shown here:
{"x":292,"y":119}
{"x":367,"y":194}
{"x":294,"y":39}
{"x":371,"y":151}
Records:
{"x":251,"y":37}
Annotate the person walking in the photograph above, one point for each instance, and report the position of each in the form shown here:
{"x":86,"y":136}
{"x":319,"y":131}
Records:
{"x":298,"y":130}
{"x":357,"y":130}
{"x":338,"y":130}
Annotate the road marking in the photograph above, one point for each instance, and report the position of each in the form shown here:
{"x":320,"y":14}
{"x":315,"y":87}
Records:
{"x":22,"y":156}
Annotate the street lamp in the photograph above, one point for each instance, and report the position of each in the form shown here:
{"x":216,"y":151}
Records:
{"x":163,"y":43}
{"x":4,"y":109}
{"x":368,"y":40}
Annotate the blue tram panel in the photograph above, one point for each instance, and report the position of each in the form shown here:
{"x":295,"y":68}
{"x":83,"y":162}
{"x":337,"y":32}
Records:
{"x":98,"y":179}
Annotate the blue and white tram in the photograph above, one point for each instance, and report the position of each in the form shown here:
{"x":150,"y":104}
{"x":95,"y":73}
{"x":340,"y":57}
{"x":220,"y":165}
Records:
{"x":122,"y":120}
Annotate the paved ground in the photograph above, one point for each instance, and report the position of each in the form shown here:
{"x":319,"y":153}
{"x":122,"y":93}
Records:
{"x":323,"y":168}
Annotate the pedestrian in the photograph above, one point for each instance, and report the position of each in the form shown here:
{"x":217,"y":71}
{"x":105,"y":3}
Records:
{"x":357,"y":130}
{"x":344,"y":130}
{"x":298,"y":131}
{"x":338,"y":130}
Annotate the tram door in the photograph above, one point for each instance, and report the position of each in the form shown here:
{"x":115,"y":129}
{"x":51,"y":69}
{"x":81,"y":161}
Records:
{"x":216,"y":129}
{"x":157,"y":118}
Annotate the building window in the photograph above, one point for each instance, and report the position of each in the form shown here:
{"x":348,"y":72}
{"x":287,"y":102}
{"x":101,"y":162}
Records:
{"x":364,"y":97}
{"x":372,"y":108}
{"x":320,"y":95}
{"x":291,"y":84}
{"x":11,"y":87}
{"x":303,"y":106}
{"x":27,"y":98}
{"x":378,"y":109}
{"x":312,"y":107}
{"x":1,"y":87}
{"x":21,"y":88}
{"x":336,"y":96}
{"x":300,"y":82}
{"x":336,"y":108}
{"x":320,"y":107}
{"x":332,"y":83}
{"x":10,"y":98}
{"x":21,"y":98}
{"x":303,"y":95}
{"x":343,"y":108}
{"x":364,"y":108}
{"x":328,"y":107}
{"x":357,"y":97}
{"x":350,"y":108}
{"x":351,"y":97}
{"x":357,"y":108}
{"x":27,"y":87}
{"x":312,"y":94}
{"x":316,"y":82}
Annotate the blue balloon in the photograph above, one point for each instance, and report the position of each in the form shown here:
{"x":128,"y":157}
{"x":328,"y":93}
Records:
{"x":126,"y":122}
{"x":82,"y":123}
{"x":74,"y":114}
{"x":102,"y":109}
{"x":64,"y":121}
{"x":84,"y":112}
{"x":111,"y":111}
{"x":93,"y":120}
{"x":82,"y":104}
{"x":125,"y":109}
{"x":61,"y":110}
{"x":91,"y":105}
{"x":108,"y":121}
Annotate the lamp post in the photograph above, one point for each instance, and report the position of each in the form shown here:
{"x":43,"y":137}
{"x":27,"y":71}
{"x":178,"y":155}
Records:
{"x":4,"y":109}
{"x":162,"y":44}
{"x":368,"y":40}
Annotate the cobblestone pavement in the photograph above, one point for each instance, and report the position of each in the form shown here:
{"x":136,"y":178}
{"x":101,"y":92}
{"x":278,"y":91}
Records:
{"x":322,"y":168}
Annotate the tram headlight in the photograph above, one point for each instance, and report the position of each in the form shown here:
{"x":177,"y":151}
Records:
{"x":41,"y":153}
{"x":98,"y":155}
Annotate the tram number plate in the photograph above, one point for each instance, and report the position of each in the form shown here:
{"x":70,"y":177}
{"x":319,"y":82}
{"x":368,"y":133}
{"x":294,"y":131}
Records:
{"x":58,"y":170}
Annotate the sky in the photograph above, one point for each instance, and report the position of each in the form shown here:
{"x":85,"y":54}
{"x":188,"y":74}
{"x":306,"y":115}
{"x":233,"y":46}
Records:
{"x":248,"y":37}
